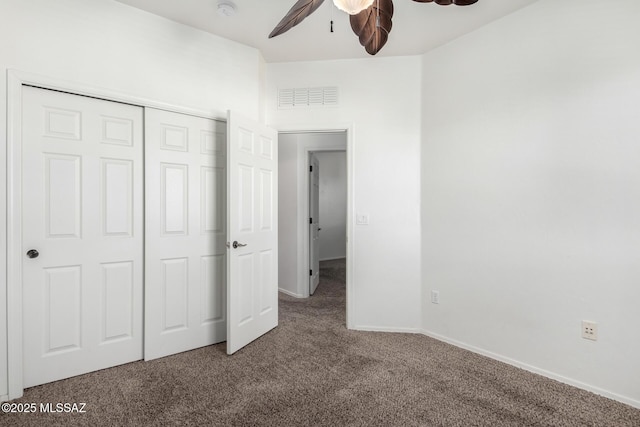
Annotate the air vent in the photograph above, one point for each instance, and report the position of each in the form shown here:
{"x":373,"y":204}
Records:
{"x":308,"y":97}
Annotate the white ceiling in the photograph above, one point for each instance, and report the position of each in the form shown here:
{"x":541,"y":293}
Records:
{"x":417,"y":27}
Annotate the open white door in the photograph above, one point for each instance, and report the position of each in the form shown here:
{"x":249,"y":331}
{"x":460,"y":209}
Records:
{"x":314,"y":223}
{"x":252,"y":224}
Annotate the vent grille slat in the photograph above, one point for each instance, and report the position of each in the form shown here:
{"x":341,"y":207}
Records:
{"x":331,"y":96}
{"x":285,"y":97}
{"x":301,"y":96}
{"x":308,"y":97}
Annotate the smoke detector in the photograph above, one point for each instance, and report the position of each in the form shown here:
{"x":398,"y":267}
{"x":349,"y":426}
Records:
{"x":226,"y":8}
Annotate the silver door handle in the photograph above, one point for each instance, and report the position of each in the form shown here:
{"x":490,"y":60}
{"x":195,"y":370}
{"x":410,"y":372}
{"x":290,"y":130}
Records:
{"x":237,"y":245}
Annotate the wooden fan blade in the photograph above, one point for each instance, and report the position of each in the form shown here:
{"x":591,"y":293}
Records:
{"x":376,"y":43}
{"x":296,"y":15}
{"x":371,"y":31}
{"x":448,"y":2}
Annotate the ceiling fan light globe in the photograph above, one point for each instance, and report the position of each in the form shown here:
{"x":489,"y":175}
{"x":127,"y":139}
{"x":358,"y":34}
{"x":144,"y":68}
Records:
{"x":352,"y":7}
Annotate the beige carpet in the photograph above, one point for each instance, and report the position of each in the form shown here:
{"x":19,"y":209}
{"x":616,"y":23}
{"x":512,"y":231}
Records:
{"x":311,"y":371}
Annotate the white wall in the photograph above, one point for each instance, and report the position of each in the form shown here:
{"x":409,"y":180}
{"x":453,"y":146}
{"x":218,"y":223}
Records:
{"x":380,"y":99}
{"x":109,"y":45}
{"x":293,"y":154}
{"x":531,"y":191}
{"x":333,"y":204}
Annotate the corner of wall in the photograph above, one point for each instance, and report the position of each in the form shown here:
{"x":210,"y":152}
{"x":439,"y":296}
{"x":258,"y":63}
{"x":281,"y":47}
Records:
{"x":4,"y":373}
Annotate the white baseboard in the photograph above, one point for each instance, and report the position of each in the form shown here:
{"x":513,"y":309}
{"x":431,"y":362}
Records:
{"x":536,"y":370}
{"x":291,"y":294}
{"x":4,"y":398}
{"x":331,"y":259}
{"x":365,"y":328}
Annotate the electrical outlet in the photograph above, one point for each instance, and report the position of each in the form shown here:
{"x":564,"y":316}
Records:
{"x":589,"y":330}
{"x":435,"y":297}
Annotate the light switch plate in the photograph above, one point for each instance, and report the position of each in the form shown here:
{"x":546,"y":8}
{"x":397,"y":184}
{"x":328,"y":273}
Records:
{"x":362,"y":219}
{"x":435,"y":297}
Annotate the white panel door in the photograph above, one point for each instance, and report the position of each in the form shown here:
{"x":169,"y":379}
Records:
{"x":82,"y":234}
{"x":314,"y":224}
{"x":252,"y":284}
{"x":185,"y":256}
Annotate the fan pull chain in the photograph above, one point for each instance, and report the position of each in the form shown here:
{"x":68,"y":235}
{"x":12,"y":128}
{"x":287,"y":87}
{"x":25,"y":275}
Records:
{"x":332,"y":6}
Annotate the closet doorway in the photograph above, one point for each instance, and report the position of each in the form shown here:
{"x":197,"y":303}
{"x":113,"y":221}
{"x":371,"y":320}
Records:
{"x":84,"y":259}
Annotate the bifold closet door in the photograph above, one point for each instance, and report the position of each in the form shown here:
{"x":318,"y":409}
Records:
{"x":82,"y":233}
{"x":185,"y":256}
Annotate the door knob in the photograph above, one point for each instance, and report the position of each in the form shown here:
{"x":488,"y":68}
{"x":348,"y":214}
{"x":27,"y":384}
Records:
{"x":32,"y":253}
{"x":237,"y":245}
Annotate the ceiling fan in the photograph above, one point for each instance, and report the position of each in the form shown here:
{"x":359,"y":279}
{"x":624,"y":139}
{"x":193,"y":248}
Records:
{"x":370,"y":19}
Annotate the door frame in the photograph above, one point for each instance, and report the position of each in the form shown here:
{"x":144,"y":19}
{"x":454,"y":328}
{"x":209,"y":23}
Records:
{"x":15,"y":81}
{"x":303,"y":205}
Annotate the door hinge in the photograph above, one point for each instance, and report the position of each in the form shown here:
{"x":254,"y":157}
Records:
{"x":310,"y":272}
{"x":310,"y":168}
{"x":310,"y":220}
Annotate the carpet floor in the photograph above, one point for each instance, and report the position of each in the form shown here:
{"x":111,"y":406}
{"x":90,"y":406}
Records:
{"x":312,"y":371}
